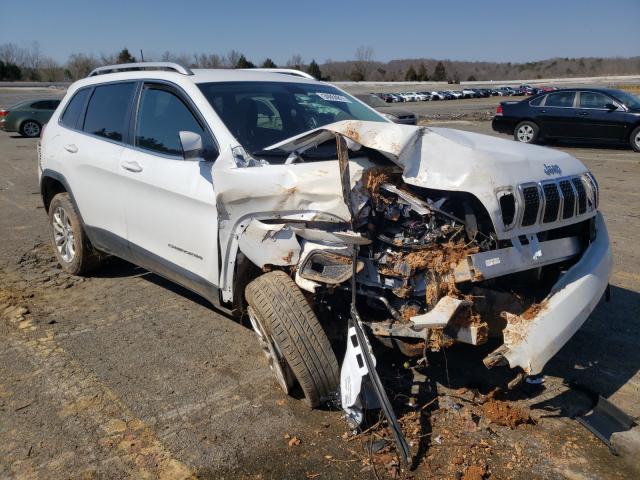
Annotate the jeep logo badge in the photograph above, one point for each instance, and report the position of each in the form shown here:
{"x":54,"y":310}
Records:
{"x":552,"y":170}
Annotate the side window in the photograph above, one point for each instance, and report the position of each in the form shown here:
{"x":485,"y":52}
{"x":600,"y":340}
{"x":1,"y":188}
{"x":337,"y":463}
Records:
{"x":161,"y":118}
{"x":74,"y":109}
{"x":560,"y":99}
{"x":107,"y":110}
{"x":593,"y":100}
{"x":536,"y":101}
{"x":41,"y":105}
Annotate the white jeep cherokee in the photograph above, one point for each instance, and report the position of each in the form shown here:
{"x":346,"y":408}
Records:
{"x":286,"y":198}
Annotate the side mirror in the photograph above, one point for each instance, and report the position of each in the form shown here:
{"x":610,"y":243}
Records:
{"x":611,"y":107}
{"x":192,"y":148}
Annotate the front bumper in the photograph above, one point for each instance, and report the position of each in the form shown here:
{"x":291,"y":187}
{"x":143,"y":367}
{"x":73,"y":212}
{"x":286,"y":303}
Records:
{"x":571,"y":301}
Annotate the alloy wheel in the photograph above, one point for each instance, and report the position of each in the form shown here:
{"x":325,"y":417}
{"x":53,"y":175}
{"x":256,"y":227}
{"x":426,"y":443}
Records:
{"x":31,"y":129}
{"x":63,"y":235}
{"x":525,"y":133}
{"x":276,"y":360}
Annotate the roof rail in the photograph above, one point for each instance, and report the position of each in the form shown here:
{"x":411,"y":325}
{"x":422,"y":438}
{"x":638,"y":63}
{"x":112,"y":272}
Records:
{"x":286,"y":71}
{"x":175,"y":67}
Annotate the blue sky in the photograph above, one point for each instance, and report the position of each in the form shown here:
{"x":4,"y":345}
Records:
{"x":492,"y":30}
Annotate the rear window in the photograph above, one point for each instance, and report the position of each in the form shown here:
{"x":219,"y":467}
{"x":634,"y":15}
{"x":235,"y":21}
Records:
{"x":45,"y":104}
{"x":74,"y":109}
{"x":560,"y":99}
{"x":107,"y":111}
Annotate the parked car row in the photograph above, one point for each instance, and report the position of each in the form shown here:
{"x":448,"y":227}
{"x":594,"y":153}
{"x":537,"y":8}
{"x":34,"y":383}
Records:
{"x":522,"y":90}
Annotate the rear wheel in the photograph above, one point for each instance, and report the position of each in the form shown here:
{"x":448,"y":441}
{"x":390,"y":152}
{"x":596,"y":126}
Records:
{"x":30,"y":128}
{"x":526,"y":132}
{"x":71,"y":245}
{"x":635,"y":139}
{"x":296,"y":346}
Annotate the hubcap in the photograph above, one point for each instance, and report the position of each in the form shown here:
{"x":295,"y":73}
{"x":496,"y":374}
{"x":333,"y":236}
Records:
{"x":32,"y":129}
{"x":525,"y":133}
{"x":638,"y":140}
{"x":63,"y":235}
{"x":276,"y":360}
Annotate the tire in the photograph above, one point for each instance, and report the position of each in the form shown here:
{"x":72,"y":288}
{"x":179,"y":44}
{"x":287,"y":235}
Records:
{"x":635,"y":139}
{"x":30,"y":129}
{"x":526,"y":132}
{"x":70,"y":243}
{"x":294,"y":332}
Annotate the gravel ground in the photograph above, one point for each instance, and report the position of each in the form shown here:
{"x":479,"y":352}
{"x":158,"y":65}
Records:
{"x":124,"y":375}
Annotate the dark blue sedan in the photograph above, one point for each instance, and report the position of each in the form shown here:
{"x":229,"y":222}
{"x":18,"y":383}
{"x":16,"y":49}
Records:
{"x":577,"y":114}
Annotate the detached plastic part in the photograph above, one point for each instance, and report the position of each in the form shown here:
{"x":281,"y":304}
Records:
{"x":604,"y":420}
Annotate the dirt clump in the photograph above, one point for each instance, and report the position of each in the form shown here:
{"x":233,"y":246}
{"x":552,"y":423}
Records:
{"x":374,"y":178}
{"x":474,"y":472}
{"x":506,"y":414}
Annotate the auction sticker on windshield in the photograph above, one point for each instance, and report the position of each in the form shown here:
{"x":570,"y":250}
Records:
{"x":332,"y":97}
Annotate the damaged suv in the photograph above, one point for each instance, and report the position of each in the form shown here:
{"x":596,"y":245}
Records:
{"x":287,"y":200}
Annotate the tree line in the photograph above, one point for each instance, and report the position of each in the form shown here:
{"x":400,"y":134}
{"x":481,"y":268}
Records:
{"x":30,"y":64}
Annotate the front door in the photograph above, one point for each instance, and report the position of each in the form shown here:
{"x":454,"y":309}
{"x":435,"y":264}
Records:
{"x":597,"y":122}
{"x":169,"y":201}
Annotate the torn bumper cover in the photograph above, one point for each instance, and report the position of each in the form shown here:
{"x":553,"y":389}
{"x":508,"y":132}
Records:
{"x":530,"y":344}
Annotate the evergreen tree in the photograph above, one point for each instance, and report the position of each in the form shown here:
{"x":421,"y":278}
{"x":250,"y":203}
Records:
{"x":244,"y":63}
{"x":440,"y":73}
{"x":314,"y":70}
{"x":125,"y":57}
{"x":423,"y":76}
{"x":268,"y":63}
{"x":410,"y":75}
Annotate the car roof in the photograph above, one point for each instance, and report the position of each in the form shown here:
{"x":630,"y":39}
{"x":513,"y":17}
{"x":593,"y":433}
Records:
{"x":198,"y":75}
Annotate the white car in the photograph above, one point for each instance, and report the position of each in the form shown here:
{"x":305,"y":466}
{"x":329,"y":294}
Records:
{"x":456,"y":93}
{"x":437,"y":96}
{"x":288,"y":200}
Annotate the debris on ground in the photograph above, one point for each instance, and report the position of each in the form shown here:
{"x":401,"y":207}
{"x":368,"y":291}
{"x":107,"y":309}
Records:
{"x":506,"y":414}
{"x":474,"y":472}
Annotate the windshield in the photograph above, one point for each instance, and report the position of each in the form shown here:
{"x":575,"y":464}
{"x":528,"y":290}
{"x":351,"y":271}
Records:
{"x":260,"y":114}
{"x":628,"y":99}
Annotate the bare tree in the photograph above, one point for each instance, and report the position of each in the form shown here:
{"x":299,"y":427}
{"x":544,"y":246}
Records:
{"x":204,"y":60}
{"x":231,"y":59}
{"x":12,"y":53}
{"x":79,"y":65}
{"x":364,"y":61}
{"x":51,"y":70}
{"x":296,"y":62}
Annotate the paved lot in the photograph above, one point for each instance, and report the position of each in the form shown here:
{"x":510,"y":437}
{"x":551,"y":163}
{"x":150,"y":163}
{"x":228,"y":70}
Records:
{"x":124,"y":375}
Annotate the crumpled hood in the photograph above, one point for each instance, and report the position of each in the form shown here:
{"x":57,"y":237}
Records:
{"x":448,"y":159}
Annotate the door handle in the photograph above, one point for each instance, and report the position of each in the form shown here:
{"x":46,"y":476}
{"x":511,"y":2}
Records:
{"x":543,"y":111}
{"x":132,"y":166}
{"x":71,"y":148}
{"x":584,"y":113}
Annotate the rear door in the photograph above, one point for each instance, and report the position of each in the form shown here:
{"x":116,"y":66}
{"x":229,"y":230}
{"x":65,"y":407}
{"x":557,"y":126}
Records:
{"x":597,"y":122}
{"x":557,"y":116}
{"x":170,"y":204}
{"x":91,"y":150}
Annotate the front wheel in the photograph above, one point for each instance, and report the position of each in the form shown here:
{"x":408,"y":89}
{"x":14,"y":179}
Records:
{"x":526,"y":132}
{"x":296,"y":346}
{"x":635,"y":139}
